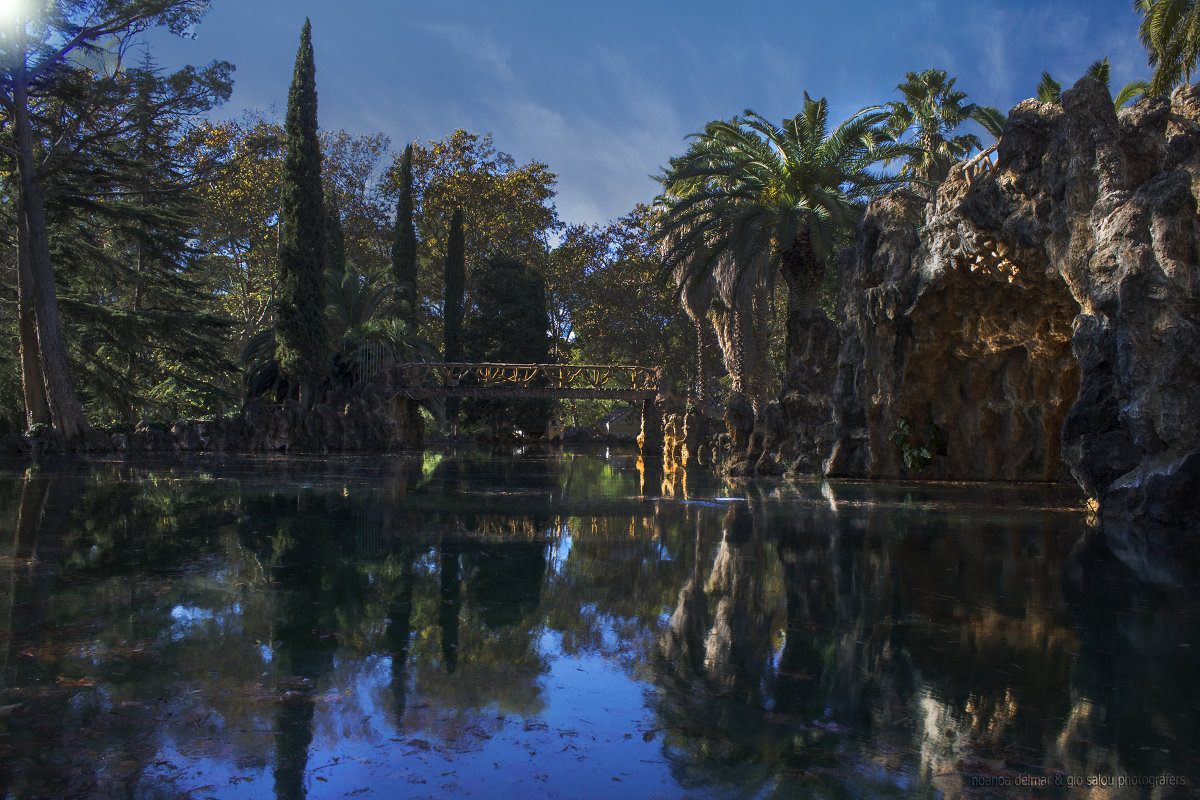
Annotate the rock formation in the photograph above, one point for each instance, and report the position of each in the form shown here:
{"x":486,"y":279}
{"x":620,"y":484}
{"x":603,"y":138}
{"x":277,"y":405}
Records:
{"x":1038,"y":319}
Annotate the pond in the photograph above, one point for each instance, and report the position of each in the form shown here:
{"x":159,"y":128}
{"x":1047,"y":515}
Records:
{"x":562,"y":625}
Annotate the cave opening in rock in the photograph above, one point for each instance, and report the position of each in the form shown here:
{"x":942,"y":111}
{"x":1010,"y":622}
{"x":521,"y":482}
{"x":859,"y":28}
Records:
{"x":990,"y":375}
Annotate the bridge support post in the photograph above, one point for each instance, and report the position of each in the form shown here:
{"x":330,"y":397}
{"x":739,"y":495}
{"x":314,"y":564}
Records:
{"x":650,"y":442}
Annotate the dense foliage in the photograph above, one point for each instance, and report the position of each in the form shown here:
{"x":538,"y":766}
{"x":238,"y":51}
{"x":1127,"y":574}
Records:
{"x":1170,"y":30}
{"x":510,"y":325}
{"x":98,"y":197}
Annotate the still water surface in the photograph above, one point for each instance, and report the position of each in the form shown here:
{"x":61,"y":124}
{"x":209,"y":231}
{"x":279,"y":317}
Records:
{"x":558,"y":625}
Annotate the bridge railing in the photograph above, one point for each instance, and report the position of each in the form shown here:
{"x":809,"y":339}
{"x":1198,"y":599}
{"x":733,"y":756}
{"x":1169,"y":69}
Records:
{"x":533,"y":376}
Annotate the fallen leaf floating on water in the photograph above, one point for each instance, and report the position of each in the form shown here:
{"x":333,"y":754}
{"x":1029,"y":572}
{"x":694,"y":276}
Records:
{"x":78,"y":683}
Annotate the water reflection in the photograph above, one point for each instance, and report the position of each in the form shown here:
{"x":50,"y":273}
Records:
{"x":543,"y":624}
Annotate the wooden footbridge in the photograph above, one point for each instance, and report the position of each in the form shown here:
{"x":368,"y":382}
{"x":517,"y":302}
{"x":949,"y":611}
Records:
{"x":429,"y":380}
{"x":421,"y":381}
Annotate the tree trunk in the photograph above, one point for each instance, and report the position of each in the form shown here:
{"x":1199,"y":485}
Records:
{"x":748,"y":359}
{"x":65,"y":410}
{"x":802,"y":271}
{"x":724,"y":323}
{"x":756,"y":366}
{"x":738,"y":341}
{"x":32,"y":382}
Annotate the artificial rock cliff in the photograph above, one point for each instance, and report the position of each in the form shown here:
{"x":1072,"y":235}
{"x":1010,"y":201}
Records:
{"x":1039,"y":319}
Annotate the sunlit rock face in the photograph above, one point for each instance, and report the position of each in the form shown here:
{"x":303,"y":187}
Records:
{"x":1037,"y":319}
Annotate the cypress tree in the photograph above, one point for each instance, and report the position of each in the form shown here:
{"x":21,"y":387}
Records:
{"x":335,"y":245}
{"x":456,"y":280}
{"x":335,"y":270}
{"x":404,"y":246}
{"x":302,"y":335}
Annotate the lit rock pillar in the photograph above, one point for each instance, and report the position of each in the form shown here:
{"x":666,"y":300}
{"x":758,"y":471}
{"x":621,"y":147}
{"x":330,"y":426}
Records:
{"x":650,"y":441}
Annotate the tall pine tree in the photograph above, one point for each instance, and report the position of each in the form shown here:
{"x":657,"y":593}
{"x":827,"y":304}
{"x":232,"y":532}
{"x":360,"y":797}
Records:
{"x":404,"y":246}
{"x":302,"y":339}
{"x":36,"y":53}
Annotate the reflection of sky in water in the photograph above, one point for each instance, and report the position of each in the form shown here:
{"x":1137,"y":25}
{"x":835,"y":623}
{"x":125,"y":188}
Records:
{"x":594,"y":738}
{"x":192,"y":620}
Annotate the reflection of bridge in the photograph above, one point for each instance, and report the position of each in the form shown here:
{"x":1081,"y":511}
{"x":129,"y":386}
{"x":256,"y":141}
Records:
{"x":569,"y":381}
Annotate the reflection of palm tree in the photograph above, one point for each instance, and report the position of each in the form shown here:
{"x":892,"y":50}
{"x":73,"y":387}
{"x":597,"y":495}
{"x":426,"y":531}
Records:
{"x":812,"y":597}
{"x":728,"y":649}
{"x":739,"y":641}
{"x":683,"y":641}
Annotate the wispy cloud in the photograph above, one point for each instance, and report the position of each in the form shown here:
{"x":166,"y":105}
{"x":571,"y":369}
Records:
{"x":605,"y":102}
{"x":477,"y":46}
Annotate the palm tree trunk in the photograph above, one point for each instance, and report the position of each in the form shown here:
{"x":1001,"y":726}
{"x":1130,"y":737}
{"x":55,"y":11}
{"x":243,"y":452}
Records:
{"x":802,"y":272}
{"x":756,"y":366}
{"x":738,"y":340}
{"x":65,"y":410}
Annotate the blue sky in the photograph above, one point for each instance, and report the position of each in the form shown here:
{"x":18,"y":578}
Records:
{"x":605,"y":92}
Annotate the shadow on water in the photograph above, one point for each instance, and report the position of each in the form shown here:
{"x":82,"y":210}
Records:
{"x":561,"y":623}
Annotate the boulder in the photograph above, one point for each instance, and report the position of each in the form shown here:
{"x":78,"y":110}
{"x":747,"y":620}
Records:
{"x":189,"y":436}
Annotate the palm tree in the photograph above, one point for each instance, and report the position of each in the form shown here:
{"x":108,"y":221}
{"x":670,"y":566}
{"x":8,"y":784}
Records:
{"x":1050,"y":90}
{"x":991,"y":119}
{"x":932,"y":109}
{"x":359,"y":319}
{"x":750,"y":200}
{"x":1170,"y":30}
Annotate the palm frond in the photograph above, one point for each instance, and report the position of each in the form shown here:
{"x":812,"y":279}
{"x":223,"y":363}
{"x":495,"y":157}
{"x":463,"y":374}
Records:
{"x":1130,"y":93}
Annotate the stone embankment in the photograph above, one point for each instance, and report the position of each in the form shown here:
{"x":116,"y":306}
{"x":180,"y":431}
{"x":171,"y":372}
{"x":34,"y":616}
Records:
{"x":369,"y":419}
